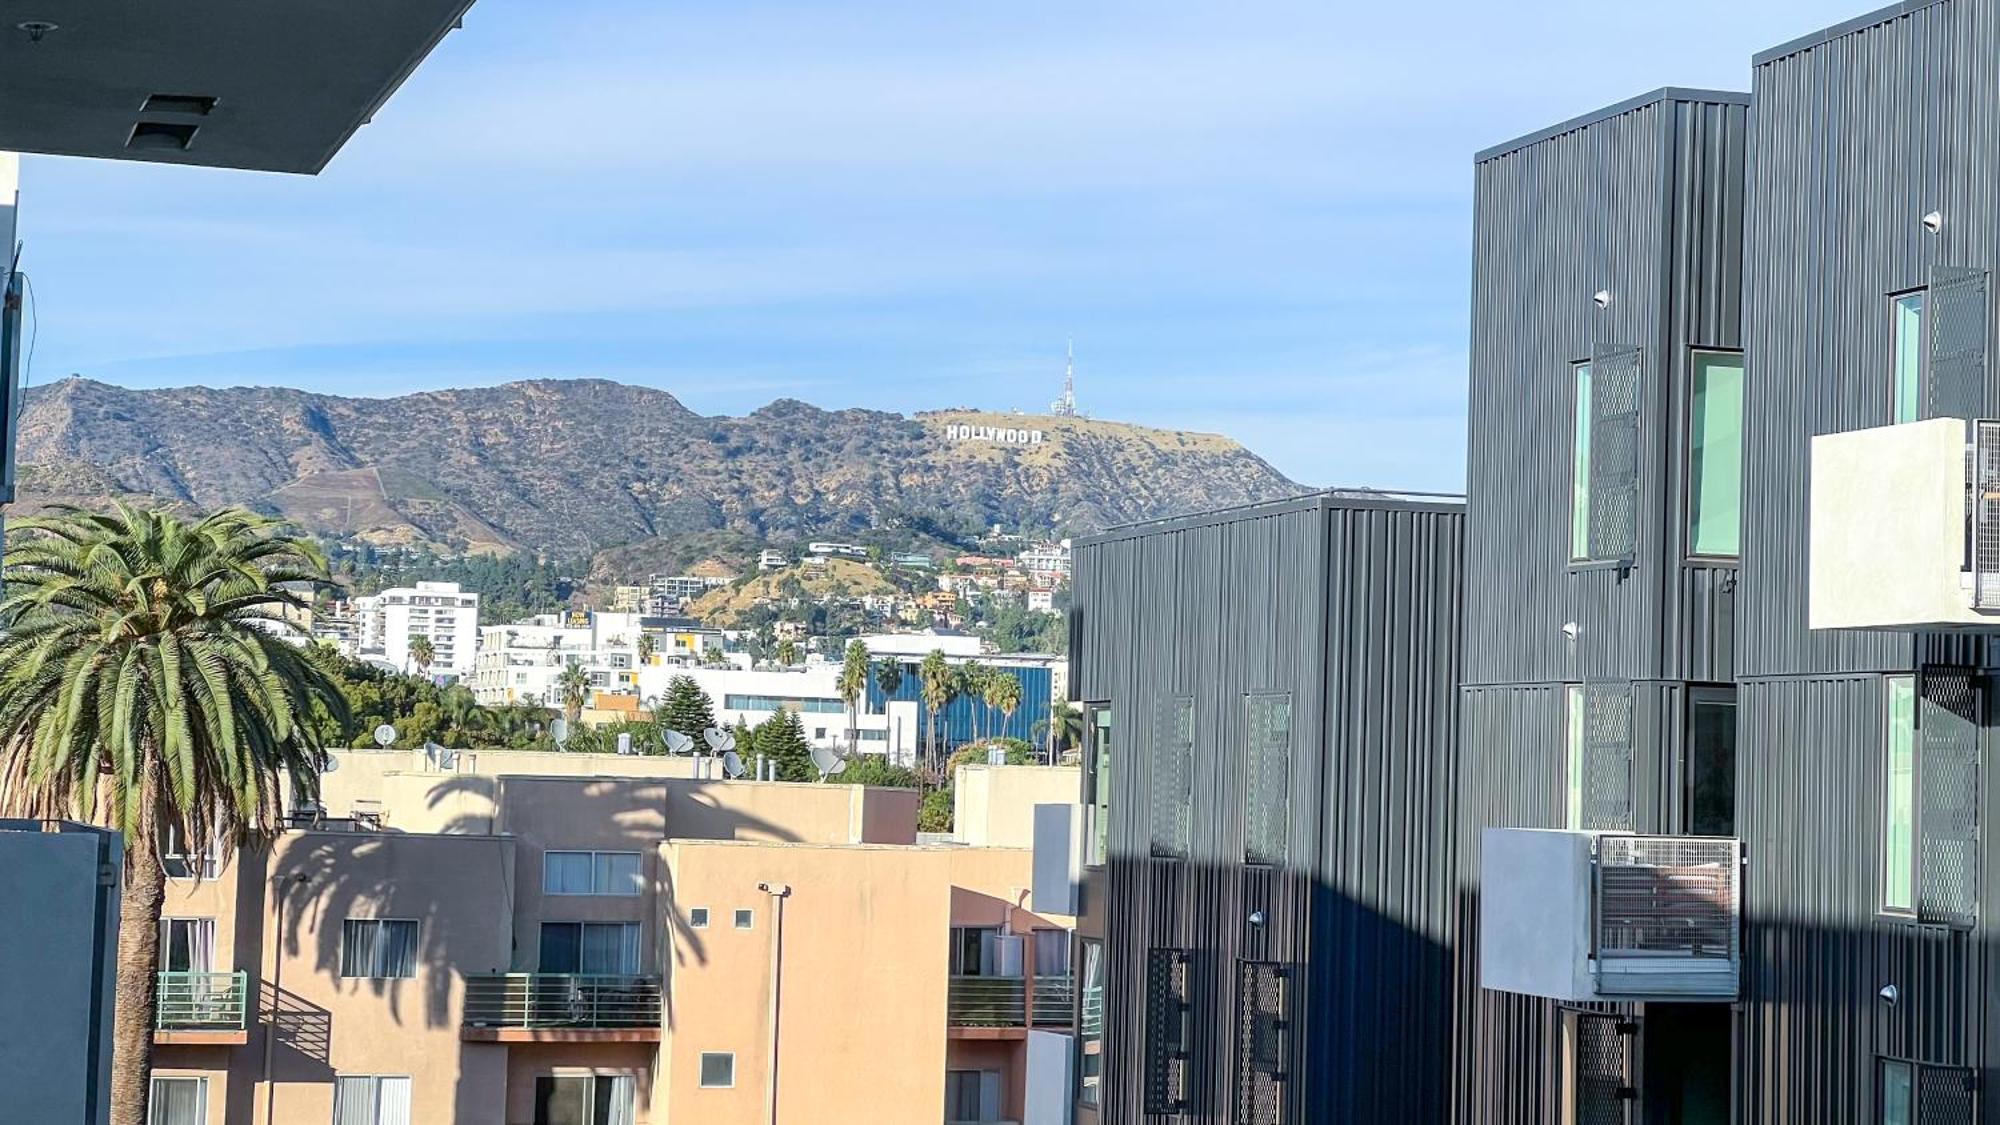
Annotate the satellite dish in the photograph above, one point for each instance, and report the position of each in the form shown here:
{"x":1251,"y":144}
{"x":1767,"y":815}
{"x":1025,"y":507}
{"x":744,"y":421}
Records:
{"x":328,"y":763}
{"x":732,"y":764}
{"x":720,"y":741}
{"x":559,"y":730}
{"x":839,"y":767}
{"x":829,"y":763}
{"x":384,"y":735}
{"x":678,"y":743}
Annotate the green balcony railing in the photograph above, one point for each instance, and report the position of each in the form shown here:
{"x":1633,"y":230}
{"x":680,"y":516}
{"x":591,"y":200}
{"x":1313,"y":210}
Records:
{"x":559,"y":1000}
{"x":201,"y":1001}
{"x":1053,"y":996}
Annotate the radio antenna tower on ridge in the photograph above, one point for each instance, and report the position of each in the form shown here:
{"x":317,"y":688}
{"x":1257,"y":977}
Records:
{"x":1065,"y":407}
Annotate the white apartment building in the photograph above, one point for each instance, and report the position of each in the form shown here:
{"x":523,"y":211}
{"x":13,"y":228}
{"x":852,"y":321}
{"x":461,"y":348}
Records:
{"x":1048,"y":558}
{"x":753,"y":695}
{"x":769,"y":559}
{"x":448,"y":616}
{"x":666,"y":594}
{"x":837,"y":550}
{"x":522,"y":662}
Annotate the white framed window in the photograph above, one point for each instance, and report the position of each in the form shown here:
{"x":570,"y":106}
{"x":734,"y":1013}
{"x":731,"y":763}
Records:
{"x":177,"y":1100}
{"x":608,"y":949}
{"x":371,"y":1099}
{"x":718,"y":1070}
{"x":187,"y":945}
{"x":591,"y":873}
{"x":745,"y":919}
{"x":698,"y":917}
{"x":378,"y":948}
{"x":583,"y":1099}
{"x":184,"y":862}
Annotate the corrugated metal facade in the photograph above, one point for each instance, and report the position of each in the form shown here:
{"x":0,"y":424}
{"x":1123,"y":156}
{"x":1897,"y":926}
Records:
{"x":1353,"y":608}
{"x":1858,"y":132}
{"x":1643,"y":202}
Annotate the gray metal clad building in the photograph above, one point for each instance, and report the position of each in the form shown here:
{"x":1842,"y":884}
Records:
{"x":1269,"y":697}
{"x":1607,"y":278}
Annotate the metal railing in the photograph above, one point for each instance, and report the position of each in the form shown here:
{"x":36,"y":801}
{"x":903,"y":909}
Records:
{"x":1052,"y":999}
{"x":987,"y":1002}
{"x":556,"y":1000}
{"x":201,"y":1001}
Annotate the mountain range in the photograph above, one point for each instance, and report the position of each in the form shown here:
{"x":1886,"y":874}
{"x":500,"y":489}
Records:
{"x":568,"y":467}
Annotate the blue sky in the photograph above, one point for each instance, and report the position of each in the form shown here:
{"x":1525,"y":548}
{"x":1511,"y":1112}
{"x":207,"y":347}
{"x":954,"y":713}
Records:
{"x":1254,"y":217}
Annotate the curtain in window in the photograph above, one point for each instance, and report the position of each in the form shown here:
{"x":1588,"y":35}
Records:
{"x":1051,"y":953}
{"x":961,"y":1095}
{"x":617,"y":873}
{"x":398,"y":949}
{"x":358,"y":937}
{"x":394,"y":1101}
{"x":200,"y":945}
{"x":178,"y":1101}
{"x":566,"y":873}
{"x":561,"y":947}
{"x":619,"y":1111}
{"x":611,"y":950}
{"x":354,"y":1101}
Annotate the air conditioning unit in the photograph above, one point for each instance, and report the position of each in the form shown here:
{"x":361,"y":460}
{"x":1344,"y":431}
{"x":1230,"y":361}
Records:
{"x":1610,"y":916}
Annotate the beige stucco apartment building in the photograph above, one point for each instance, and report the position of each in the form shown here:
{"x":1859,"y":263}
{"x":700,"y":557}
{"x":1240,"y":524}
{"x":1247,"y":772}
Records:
{"x":562,"y":940}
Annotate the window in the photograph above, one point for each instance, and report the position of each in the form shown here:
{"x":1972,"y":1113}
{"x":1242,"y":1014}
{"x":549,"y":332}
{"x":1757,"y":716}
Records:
{"x":1090,"y":1026}
{"x":187,"y":945}
{"x":744,"y":919}
{"x":1907,"y":358}
{"x":1267,"y":767}
{"x":1051,"y":952}
{"x":698,"y":918}
{"x":178,"y":1101}
{"x":1898,"y":1093}
{"x":1173,"y":777}
{"x":371,"y":1100}
{"x":971,"y":1095}
{"x":783,"y":703}
{"x":184,"y":862}
{"x":378,"y":947}
{"x":1573,"y":757}
{"x":1711,"y":765}
{"x":583,"y":1099}
{"x":1097,"y":777}
{"x":718,"y":1070}
{"x":590,"y":948}
{"x":1579,"y":519}
{"x":591,"y":873}
{"x":1715,"y":455}
{"x":1899,"y":804}
{"x":985,"y":951}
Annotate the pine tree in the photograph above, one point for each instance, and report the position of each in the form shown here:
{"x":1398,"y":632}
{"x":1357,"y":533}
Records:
{"x":782,"y":739}
{"x":687,"y":709}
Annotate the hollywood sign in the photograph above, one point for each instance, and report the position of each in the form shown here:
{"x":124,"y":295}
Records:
{"x":1001,"y":435}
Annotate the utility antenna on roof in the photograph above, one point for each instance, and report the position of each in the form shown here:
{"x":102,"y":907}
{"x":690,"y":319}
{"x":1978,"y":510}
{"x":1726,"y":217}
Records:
{"x":1065,"y":407}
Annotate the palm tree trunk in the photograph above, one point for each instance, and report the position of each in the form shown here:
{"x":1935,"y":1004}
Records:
{"x":138,"y":964}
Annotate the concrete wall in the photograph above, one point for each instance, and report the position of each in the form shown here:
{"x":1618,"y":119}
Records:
{"x":994,"y":806}
{"x":1887,"y":528}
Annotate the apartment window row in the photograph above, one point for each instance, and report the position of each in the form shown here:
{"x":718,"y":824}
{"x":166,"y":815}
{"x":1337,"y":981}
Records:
{"x":1930,"y":839}
{"x":384,"y":1099}
{"x":592,"y":873}
{"x":1604,"y":473}
{"x":784,"y":703}
{"x":590,"y":948}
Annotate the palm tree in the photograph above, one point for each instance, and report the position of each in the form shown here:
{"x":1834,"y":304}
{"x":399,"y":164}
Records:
{"x":1003,"y":694}
{"x":422,"y":653}
{"x":972,"y":677}
{"x":646,"y":648}
{"x":140,"y":689}
{"x":788,"y":653}
{"x":936,"y":678}
{"x":889,"y":675}
{"x":852,"y":683}
{"x":573,"y":686}
{"x":1065,"y":727}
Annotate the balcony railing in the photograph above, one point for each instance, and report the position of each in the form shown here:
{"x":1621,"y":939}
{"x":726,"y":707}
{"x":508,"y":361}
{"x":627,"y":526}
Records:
{"x":201,"y":1001}
{"x":987,"y":1002}
{"x":560,"y":1000}
{"x":1053,"y":996}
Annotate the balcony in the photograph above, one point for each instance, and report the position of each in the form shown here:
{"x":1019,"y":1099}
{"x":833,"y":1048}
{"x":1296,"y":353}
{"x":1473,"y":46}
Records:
{"x":1051,"y":1000}
{"x":1609,"y":916}
{"x":1902,"y":537}
{"x":1005,"y":1007}
{"x":201,"y":1008}
{"x":561,"y":1007}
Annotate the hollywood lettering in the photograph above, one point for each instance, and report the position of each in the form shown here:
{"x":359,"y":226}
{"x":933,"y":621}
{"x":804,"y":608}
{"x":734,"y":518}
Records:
{"x":1001,"y":435}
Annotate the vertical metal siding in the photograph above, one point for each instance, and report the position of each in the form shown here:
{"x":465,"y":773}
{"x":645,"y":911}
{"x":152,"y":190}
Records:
{"x":1354,"y":610}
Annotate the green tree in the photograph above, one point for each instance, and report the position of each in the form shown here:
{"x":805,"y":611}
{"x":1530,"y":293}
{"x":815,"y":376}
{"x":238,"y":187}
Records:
{"x":1003,"y":694}
{"x":422,"y":653}
{"x":853,"y":683}
{"x":140,"y":690}
{"x":782,"y":740}
{"x":1064,"y":727}
{"x":573,"y":686}
{"x":934,"y":813}
{"x":788,"y":652}
{"x":687,"y":709}
{"x":889,"y":675}
{"x":876,"y":770}
{"x":936,"y":679}
{"x":646,"y":648}
{"x":972,"y":680}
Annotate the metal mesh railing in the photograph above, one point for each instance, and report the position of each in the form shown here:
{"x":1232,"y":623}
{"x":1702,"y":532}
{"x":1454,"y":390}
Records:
{"x":1984,"y":478}
{"x":201,"y":1001}
{"x":556,"y":1000}
{"x":1668,"y":896}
